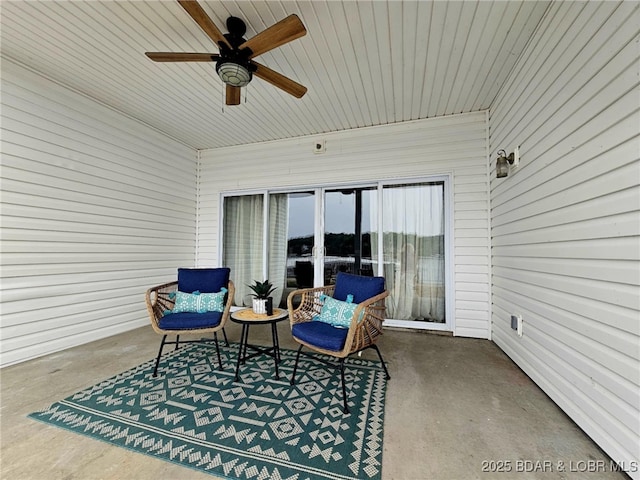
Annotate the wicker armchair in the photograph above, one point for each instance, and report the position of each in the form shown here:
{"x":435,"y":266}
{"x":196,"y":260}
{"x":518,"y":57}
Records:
{"x":162,"y":298}
{"x":364,"y":326}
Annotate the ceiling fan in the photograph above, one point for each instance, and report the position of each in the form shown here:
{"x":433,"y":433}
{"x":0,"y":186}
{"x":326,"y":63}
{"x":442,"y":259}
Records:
{"x":234,"y":63}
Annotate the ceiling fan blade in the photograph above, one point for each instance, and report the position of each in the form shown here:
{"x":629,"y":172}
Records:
{"x":233,"y":95}
{"x":277,"y":34}
{"x":194,"y":9}
{"x":182,"y":57}
{"x":278,"y":80}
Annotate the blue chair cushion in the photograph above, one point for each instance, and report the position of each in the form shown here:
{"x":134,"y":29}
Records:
{"x":190,"y":320}
{"x":362,"y":288}
{"x":204,"y":280}
{"x":321,"y":335}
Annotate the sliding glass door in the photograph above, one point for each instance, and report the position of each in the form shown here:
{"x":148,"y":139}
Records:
{"x":286,"y":258}
{"x":302,"y":239}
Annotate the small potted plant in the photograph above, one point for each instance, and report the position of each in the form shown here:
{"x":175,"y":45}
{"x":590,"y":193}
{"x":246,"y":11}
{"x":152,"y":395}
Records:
{"x":261,"y":293}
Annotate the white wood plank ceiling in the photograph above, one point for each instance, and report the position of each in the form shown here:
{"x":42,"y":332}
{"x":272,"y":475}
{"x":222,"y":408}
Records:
{"x":364,"y":62}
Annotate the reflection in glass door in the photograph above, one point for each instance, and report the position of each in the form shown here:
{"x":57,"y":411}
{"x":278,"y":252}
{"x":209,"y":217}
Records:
{"x":300,"y":242}
{"x":347,"y":232}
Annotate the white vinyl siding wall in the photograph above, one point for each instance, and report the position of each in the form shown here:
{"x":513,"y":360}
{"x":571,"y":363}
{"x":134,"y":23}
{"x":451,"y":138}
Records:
{"x":96,"y":208}
{"x":455,"y":145}
{"x":565,"y":224}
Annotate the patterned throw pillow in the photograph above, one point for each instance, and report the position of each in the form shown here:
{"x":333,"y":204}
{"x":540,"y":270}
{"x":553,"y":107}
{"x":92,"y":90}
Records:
{"x":197,"y":302}
{"x":336,"y":312}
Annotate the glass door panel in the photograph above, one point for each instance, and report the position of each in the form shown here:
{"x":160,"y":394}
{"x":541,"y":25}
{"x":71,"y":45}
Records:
{"x":297,"y":262}
{"x":243,"y":242}
{"x":347,"y":232}
{"x":413,"y":250}
{"x":278,"y":246}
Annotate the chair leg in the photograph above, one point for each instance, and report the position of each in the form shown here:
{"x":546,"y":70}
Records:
{"x":155,"y":370}
{"x":226,"y":340}
{"x":344,"y":388}
{"x":295,"y":367}
{"x":386,"y":372}
{"x":177,"y":342}
{"x":215,"y":337}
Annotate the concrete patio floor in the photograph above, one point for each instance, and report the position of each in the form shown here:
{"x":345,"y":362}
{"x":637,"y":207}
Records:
{"x":456,"y":408}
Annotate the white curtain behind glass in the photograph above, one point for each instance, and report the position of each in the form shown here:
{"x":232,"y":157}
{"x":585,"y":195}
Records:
{"x":243,"y":242}
{"x":278,"y":233}
{"x":413,"y":251}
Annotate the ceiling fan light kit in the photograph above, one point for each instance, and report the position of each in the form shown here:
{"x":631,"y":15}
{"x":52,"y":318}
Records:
{"x":234,"y":63}
{"x":233,"y":74}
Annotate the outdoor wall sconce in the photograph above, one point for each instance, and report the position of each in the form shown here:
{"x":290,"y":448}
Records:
{"x":504,"y":162}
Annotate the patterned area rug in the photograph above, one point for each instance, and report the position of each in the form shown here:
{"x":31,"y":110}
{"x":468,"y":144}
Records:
{"x":259,"y":428}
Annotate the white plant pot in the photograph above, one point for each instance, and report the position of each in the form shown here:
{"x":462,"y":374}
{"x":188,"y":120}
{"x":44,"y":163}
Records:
{"x":259,"y":305}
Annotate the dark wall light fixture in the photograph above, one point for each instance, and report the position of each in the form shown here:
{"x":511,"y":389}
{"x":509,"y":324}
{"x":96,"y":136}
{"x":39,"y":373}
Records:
{"x":504,"y":162}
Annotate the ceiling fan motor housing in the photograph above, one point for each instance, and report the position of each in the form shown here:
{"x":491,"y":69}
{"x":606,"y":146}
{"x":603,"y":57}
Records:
{"x":234,"y":66}
{"x":237,"y":28}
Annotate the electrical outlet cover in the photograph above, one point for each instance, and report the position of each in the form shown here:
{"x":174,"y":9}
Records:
{"x":516,"y":324}
{"x":519,"y":325}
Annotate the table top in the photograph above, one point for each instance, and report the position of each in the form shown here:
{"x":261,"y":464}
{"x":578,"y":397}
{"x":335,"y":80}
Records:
{"x":246,"y":315}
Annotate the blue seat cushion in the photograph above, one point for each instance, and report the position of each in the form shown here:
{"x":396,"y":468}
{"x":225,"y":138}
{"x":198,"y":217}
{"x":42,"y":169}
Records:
{"x":204,"y":280}
{"x":190,"y":320}
{"x":321,"y":335}
{"x":362,"y":288}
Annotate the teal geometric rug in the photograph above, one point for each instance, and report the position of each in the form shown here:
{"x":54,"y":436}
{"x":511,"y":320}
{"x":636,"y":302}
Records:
{"x":258,"y":428}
